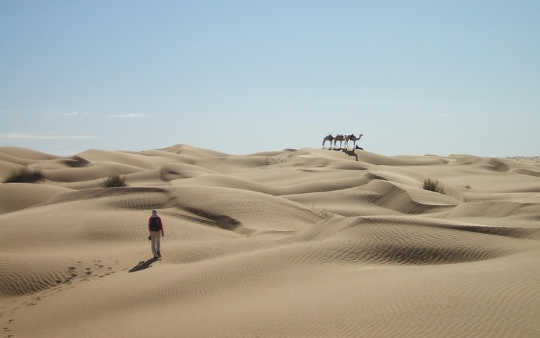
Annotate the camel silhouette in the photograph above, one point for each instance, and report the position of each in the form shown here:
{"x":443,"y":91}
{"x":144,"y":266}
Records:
{"x":339,"y":138}
{"x":353,"y":138}
{"x":328,"y":138}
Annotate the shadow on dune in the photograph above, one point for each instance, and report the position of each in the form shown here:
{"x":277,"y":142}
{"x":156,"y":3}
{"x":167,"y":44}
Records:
{"x":351,"y":153}
{"x":518,"y":232}
{"x":76,"y":162}
{"x":209,"y":218}
{"x":143,"y":265}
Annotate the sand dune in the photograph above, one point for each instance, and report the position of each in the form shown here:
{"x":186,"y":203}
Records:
{"x":292,"y":243}
{"x":15,"y":196}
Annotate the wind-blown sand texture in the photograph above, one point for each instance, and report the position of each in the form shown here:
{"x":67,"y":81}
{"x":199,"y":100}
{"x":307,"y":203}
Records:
{"x":293,"y":243}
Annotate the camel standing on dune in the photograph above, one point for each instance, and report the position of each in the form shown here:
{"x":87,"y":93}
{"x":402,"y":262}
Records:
{"x":339,"y":138}
{"x":353,"y":138}
{"x":328,"y":138}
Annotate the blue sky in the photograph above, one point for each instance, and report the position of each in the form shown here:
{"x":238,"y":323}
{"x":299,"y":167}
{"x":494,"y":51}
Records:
{"x":414,"y":77}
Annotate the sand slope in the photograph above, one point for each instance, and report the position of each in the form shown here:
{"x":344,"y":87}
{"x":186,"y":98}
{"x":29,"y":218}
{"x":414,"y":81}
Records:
{"x":292,"y":243}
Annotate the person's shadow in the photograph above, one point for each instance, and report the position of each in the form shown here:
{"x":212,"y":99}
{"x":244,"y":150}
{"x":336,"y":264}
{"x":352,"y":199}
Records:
{"x":143,"y":264}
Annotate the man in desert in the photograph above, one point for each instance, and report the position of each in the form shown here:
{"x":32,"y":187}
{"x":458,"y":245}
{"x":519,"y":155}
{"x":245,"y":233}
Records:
{"x":155,"y":229}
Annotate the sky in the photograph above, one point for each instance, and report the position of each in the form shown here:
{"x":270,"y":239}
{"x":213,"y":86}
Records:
{"x":414,"y":77}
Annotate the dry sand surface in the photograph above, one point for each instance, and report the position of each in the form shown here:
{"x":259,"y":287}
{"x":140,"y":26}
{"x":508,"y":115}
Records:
{"x":293,"y":243}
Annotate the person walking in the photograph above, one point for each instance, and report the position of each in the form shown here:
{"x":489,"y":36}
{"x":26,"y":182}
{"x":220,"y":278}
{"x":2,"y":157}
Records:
{"x":155,"y":229}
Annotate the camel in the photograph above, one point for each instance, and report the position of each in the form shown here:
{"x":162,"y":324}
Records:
{"x":353,"y":138}
{"x":328,"y":138}
{"x":340,"y":138}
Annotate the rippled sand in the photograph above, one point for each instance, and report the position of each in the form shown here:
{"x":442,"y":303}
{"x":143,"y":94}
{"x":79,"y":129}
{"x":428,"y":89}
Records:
{"x":292,"y":243}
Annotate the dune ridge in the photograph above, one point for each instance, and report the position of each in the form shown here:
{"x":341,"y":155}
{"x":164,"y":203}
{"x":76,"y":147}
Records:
{"x":292,"y":243}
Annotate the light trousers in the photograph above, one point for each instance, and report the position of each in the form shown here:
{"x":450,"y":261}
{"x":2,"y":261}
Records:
{"x":155,"y":236}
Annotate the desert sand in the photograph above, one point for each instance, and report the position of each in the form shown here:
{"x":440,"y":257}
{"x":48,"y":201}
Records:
{"x":293,"y":243}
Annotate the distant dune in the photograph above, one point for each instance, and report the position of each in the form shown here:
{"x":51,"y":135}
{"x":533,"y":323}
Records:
{"x":292,"y":243}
